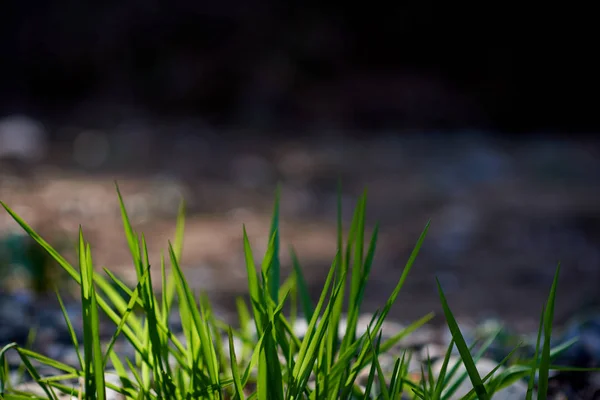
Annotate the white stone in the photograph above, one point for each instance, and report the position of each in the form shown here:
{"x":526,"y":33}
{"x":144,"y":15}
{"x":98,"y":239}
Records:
{"x":517,"y":390}
{"x":22,"y":137}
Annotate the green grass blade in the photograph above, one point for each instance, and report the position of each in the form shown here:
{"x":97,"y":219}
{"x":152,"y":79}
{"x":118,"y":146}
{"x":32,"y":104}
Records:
{"x":24,"y":354}
{"x":396,"y":291}
{"x":500,"y":382}
{"x":332,"y":334}
{"x":131,"y":336}
{"x":356,"y":367}
{"x":94,"y":376}
{"x":88,"y":332}
{"x":254,"y":359}
{"x":274,"y":268}
{"x":462,"y":347}
{"x":207,"y":347}
{"x":311,"y":353}
{"x":357,"y":271}
{"x":548,"y":319}
{"x":130,"y":235}
{"x":393,"y":341}
{"x":239,"y":389}
{"x":536,"y":356}
{"x":355,"y":244}
{"x":310,"y":331}
{"x":126,"y":383}
{"x":307,"y":305}
{"x":382,"y":386}
{"x":116,"y":298}
{"x":357,"y":298}
{"x":169,"y":285}
{"x":45,"y":245}
{"x":254,"y":287}
{"x":439,"y":385}
{"x":130,"y":306}
{"x":407,"y":268}
{"x":70,"y":329}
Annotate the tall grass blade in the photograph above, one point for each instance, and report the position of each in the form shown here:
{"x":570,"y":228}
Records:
{"x":130,"y":235}
{"x":307,"y":305}
{"x":206,"y":345}
{"x":253,"y":284}
{"x":274,"y":267}
{"x":72,"y":333}
{"x":544,"y":367}
{"x":462,"y":347}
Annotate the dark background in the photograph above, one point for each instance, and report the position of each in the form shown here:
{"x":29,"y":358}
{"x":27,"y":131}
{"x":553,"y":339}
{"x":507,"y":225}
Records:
{"x":478,"y":117}
{"x":500,"y":67}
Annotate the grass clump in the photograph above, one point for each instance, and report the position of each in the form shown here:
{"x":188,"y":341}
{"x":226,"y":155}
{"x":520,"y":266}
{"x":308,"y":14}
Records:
{"x":272,"y":361}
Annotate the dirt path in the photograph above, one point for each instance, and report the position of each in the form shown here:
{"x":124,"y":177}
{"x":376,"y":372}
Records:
{"x":502,"y":218}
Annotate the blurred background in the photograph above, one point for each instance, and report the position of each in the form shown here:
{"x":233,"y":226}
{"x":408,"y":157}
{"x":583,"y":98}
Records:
{"x":482,"y":120}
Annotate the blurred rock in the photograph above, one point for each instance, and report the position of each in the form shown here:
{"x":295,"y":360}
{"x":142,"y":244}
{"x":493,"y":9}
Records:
{"x":251,"y":171}
{"x":23,"y":138}
{"x":517,"y":390}
{"x":91,"y":149}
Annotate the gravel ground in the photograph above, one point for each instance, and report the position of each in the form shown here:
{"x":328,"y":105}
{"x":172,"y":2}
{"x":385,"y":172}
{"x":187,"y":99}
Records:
{"x":428,"y":342}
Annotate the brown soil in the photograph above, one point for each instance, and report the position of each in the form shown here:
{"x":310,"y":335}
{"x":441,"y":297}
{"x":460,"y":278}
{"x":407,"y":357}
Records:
{"x":494,"y":241}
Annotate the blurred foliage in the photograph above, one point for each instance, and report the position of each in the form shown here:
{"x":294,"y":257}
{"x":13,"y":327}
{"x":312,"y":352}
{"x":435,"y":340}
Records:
{"x":25,"y":265}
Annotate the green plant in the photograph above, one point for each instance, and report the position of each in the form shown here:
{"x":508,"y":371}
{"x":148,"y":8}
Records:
{"x":272,"y":364}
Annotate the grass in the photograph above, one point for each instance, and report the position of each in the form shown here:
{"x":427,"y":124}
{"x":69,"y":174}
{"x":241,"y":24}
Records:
{"x":272,"y":362}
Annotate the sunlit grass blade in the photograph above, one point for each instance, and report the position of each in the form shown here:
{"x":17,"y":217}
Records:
{"x":274,"y":267}
{"x":159,"y":368}
{"x":70,"y":329}
{"x":127,"y":384}
{"x":462,"y":347}
{"x":130,"y":235}
{"x":357,"y":298}
{"x":235,"y":372}
{"x":130,"y":306}
{"x":132,"y":324}
{"x":391,"y":300}
{"x":168,"y":285}
{"x":116,"y":298}
{"x":407,"y":268}
{"x":332,"y":339}
{"x":354,"y":245}
{"x":269,"y":386}
{"x":206,"y":346}
{"x":212,"y":327}
{"x":131,"y":336}
{"x":348,"y":385}
{"x":254,"y":287}
{"x":267,"y":264}
{"x":393,"y":341}
{"x":357,"y":269}
{"x":93,"y":368}
{"x":44,"y":244}
{"x":254,"y":359}
{"x":137,"y":377}
{"x":301,"y":375}
{"x":310,"y":331}
{"x":25,"y":354}
{"x":4,"y":373}
{"x":376,"y":351}
{"x":370,"y":379}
